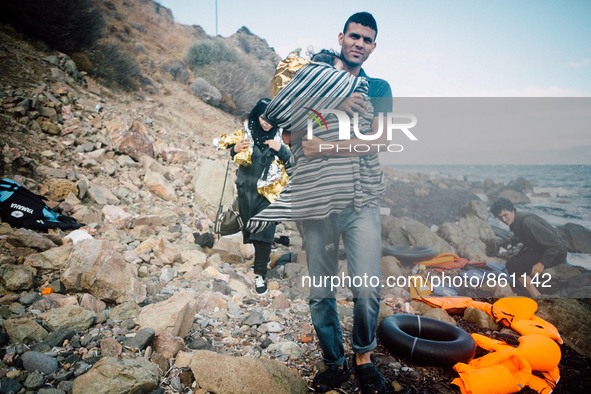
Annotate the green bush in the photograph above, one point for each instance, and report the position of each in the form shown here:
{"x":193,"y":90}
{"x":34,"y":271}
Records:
{"x":207,"y":52}
{"x":65,"y":25}
{"x":115,"y":66}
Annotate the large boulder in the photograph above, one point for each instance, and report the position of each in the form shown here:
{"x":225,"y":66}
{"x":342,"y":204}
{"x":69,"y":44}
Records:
{"x":425,"y":202}
{"x":173,"y":316}
{"x":24,"y":330}
{"x":114,"y":375}
{"x":409,"y":232}
{"x":208,"y":185}
{"x":205,"y":91}
{"x":131,"y":140}
{"x":69,"y":316}
{"x":471,"y":227}
{"x":95,"y":267}
{"x":577,"y":237}
{"x":244,"y":375}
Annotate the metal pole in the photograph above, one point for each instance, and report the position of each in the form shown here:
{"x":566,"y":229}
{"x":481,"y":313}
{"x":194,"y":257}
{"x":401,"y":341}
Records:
{"x":216,"y":17}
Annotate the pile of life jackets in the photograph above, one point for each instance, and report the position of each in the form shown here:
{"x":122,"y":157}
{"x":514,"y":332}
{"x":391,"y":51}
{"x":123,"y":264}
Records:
{"x":508,"y":369}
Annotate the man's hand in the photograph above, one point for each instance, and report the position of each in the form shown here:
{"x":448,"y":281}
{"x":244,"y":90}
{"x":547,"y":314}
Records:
{"x":311,"y":147}
{"x":354,"y":103}
{"x":537,"y":269}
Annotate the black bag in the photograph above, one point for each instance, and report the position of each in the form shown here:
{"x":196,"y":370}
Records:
{"x":227,"y":222}
{"x":20,"y":207}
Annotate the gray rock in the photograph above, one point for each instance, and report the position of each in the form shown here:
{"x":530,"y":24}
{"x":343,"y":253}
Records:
{"x":289,"y":348}
{"x":249,"y":375}
{"x":205,"y":91}
{"x":50,"y":391}
{"x":113,"y":375}
{"x":29,"y":298}
{"x":35,"y":361}
{"x":57,"y":338}
{"x":69,"y":316}
{"x":11,"y":386}
{"x":30,"y":239}
{"x":254,"y":318}
{"x":199,"y":344}
{"x":34,"y":380}
{"x":24,"y":330}
{"x":577,"y":237}
{"x":141,"y":340}
{"x":16,"y":277}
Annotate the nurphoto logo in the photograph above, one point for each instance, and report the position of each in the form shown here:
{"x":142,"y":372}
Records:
{"x":394,"y":122}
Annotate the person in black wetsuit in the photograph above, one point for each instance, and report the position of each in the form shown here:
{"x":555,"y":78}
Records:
{"x":542,"y":246}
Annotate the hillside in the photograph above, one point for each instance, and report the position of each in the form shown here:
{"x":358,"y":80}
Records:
{"x":144,"y":306}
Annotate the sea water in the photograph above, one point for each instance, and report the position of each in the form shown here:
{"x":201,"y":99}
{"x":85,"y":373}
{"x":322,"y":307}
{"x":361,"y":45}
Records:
{"x":562,"y":193}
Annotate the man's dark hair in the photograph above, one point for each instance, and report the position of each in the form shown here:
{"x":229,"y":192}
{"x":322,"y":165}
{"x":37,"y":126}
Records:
{"x":327,"y":56}
{"x":363,"y":18}
{"x":500,"y":204}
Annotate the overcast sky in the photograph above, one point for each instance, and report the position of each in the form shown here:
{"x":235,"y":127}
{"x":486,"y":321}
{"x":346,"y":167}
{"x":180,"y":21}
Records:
{"x":460,"y":48}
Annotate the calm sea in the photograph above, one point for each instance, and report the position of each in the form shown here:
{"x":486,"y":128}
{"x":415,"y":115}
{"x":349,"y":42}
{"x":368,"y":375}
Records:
{"x":562,"y":193}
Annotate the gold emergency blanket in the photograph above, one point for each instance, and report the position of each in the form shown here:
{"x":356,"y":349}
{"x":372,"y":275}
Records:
{"x":224,"y":141}
{"x":286,"y":69}
{"x":276,"y":180}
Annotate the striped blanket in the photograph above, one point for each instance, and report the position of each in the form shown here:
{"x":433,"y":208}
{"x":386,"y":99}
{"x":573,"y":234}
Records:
{"x":320,"y":186}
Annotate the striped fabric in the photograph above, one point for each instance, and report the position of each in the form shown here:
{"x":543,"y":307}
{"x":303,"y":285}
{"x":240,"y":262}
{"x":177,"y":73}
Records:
{"x":321,"y":186}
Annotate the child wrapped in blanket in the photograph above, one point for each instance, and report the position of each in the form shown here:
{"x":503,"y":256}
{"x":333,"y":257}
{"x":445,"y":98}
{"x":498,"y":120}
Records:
{"x":319,"y":85}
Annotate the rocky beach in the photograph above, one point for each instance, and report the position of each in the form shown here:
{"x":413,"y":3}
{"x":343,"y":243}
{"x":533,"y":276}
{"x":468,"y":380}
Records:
{"x":136,"y":301}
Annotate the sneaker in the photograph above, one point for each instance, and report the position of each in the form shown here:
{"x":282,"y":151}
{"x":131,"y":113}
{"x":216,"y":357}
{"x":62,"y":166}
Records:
{"x":260,"y":284}
{"x":370,"y":379}
{"x":331,"y":378}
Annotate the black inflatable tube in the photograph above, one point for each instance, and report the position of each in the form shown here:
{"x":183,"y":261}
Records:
{"x":426,"y":341}
{"x":409,"y":254}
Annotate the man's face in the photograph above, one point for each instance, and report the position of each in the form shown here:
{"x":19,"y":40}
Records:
{"x":357,"y":43}
{"x":507,"y":217}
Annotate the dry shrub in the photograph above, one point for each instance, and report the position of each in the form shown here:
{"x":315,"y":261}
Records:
{"x":207,"y":52}
{"x":65,"y":25}
{"x":231,"y":72}
{"x":115,"y":66}
{"x":82,"y":61}
{"x":245,"y":83}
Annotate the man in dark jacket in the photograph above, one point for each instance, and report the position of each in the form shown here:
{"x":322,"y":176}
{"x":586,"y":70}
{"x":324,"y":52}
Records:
{"x":542,"y":246}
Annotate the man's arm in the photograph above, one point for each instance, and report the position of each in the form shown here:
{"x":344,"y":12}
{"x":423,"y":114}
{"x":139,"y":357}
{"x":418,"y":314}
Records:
{"x":380,"y":94}
{"x":546,"y":239}
{"x":317,"y":147}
